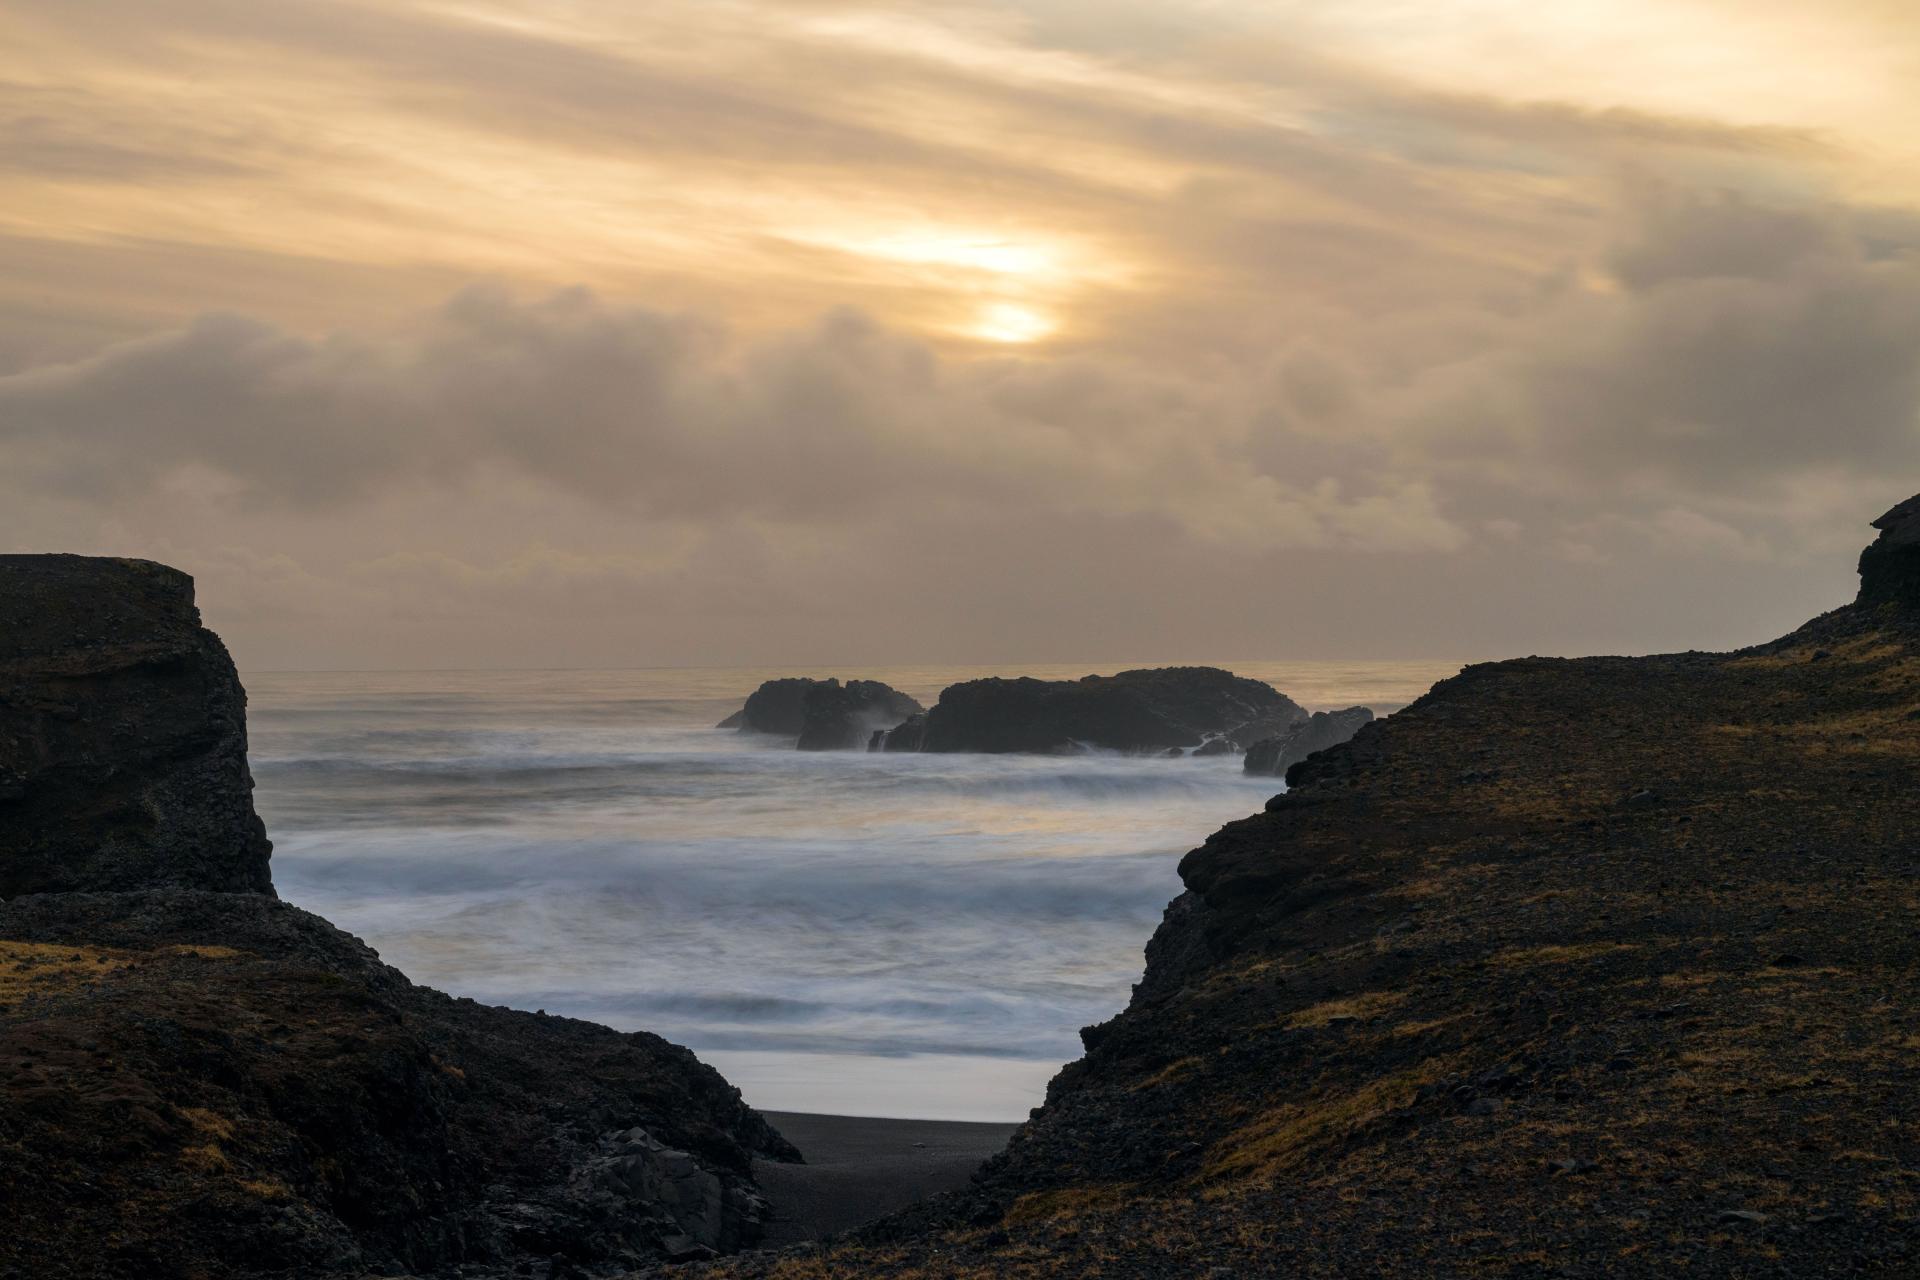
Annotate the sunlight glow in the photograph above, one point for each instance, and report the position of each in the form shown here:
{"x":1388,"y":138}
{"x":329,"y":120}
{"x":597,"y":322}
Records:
{"x":1012,"y":323}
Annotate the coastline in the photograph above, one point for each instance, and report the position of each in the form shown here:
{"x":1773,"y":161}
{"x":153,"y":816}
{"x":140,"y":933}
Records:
{"x":861,"y":1168}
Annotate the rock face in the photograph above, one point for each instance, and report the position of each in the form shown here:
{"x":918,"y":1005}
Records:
{"x":223,"y":1085}
{"x":822,"y":715}
{"x":1578,"y":967}
{"x":1890,"y":566}
{"x":1142,"y":711}
{"x":1323,"y":729}
{"x":203,"y":1081}
{"x":122,"y":735}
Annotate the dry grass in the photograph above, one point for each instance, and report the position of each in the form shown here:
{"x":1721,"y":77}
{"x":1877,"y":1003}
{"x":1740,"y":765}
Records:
{"x":1520,"y":957}
{"x":1368,"y":1004}
{"x":1067,"y":1202}
{"x":1286,"y":1136}
{"x":38,"y":968}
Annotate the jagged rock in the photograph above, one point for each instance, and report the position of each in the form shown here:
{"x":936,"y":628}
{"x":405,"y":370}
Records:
{"x":1890,"y":565}
{"x":822,"y":715}
{"x":122,"y":735}
{"x":838,"y":717}
{"x":1274,"y":756}
{"x":1144,"y":711}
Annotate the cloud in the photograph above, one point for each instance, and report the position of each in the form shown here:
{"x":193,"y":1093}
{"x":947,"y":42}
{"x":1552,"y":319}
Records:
{"x":1351,"y":328}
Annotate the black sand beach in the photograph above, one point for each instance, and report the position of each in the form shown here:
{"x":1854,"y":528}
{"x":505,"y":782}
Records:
{"x":859,"y":1169}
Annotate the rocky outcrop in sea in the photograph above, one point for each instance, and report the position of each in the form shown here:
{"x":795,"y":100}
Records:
{"x":1274,"y":756}
{"x":822,"y":715}
{"x":1150,"y":710}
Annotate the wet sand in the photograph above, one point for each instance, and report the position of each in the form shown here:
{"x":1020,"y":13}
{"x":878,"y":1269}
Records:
{"x":859,"y":1169}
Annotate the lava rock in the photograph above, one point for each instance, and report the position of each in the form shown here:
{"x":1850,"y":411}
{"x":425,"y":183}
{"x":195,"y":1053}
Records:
{"x":122,"y":735}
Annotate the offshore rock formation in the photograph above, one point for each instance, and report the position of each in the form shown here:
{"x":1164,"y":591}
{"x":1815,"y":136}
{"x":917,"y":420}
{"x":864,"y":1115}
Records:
{"x":843,"y":718}
{"x":1581,"y":968}
{"x":202,"y":1083}
{"x":822,"y":715}
{"x":122,"y":735}
{"x":1323,"y":729}
{"x":1147,"y":710}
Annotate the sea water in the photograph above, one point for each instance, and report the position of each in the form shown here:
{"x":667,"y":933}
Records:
{"x":885,"y":934}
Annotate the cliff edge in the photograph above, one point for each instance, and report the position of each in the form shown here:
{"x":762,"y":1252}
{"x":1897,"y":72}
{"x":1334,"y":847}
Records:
{"x":123,"y":741}
{"x":201,"y":1082}
{"x":1576,"y":968}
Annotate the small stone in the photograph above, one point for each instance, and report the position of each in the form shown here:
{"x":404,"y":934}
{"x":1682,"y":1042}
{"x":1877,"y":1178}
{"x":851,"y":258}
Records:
{"x":1748,"y":1217}
{"x":1484,"y":1106}
{"x":1641,"y":799}
{"x":1620,"y":1062}
{"x":1570,"y":1165}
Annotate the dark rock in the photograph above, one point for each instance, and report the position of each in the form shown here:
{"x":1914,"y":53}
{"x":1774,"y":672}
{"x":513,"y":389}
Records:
{"x":391,"y":1127}
{"x":1142,"y":711}
{"x":822,"y":715}
{"x":1747,"y":1217}
{"x":908,"y":735}
{"x":1890,"y":566}
{"x":218,"y":1084}
{"x":836,"y":717}
{"x":122,"y":735}
{"x":1323,"y":729}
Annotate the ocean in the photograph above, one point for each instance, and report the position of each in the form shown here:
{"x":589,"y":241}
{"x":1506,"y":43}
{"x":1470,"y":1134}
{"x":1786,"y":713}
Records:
{"x":883,"y":935}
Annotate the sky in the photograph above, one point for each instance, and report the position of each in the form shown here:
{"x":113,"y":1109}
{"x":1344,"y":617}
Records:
{"x":469,"y":333}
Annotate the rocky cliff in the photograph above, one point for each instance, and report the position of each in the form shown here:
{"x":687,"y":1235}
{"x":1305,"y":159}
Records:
{"x":198,"y":1082}
{"x":123,"y":742}
{"x":1578,"y":968}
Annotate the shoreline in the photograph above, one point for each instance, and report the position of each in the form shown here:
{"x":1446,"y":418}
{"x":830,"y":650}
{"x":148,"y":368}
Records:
{"x":863,"y":1168}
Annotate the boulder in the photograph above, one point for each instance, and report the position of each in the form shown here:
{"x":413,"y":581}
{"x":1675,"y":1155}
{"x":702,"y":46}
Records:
{"x":1273,"y":756}
{"x":1143,"y":711}
{"x":122,"y":735}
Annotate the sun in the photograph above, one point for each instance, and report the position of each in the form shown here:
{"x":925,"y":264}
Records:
{"x":1010,"y":322}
